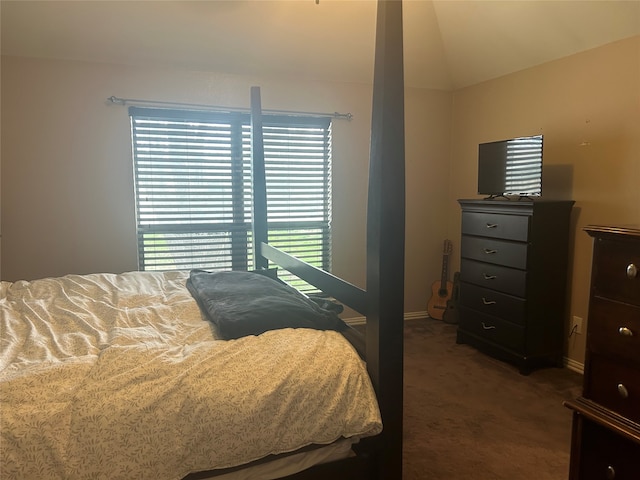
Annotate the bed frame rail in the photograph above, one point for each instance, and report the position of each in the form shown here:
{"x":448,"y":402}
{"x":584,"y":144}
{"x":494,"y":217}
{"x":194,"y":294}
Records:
{"x":329,"y":284}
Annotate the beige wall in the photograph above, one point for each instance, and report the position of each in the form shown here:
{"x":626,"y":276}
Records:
{"x":67,"y":180}
{"x":67,"y":189}
{"x":588,"y":108}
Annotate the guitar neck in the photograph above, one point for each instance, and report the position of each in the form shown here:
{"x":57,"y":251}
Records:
{"x":445,"y":272}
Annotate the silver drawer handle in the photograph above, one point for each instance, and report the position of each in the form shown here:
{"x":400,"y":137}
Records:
{"x":488,"y":302}
{"x":632,"y":271}
{"x":488,"y":277}
{"x":625,"y":332}
{"x":489,"y":251}
{"x":622,"y":390}
{"x":488,"y":327}
{"x":492,"y":225}
{"x":611,"y":473}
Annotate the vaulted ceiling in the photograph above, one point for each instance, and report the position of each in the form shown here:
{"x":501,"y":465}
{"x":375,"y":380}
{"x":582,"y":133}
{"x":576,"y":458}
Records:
{"x":449,"y":44}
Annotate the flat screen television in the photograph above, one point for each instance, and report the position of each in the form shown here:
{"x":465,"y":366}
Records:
{"x":510,"y":167}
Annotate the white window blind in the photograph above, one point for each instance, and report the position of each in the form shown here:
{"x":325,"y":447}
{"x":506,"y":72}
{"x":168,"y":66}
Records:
{"x":193,"y":188}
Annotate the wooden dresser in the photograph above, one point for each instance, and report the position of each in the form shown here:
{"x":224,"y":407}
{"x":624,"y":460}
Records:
{"x":513,"y":279}
{"x":606,"y":419}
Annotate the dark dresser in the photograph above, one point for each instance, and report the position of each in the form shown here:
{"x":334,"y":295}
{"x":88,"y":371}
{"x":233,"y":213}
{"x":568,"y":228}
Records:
{"x":513,"y":279}
{"x":606,"y":419}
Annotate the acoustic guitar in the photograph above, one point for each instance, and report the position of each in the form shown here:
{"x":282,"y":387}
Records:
{"x":451,"y":313}
{"x":441,"y":290}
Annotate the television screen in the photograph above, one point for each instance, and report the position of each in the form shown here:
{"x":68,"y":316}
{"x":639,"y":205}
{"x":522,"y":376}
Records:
{"x":510,"y":167}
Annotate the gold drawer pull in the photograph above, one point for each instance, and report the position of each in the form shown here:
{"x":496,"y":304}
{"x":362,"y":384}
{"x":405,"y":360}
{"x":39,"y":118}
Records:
{"x":488,"y":302}
{"x":622,"y":390}
{"x":488,"y":277}
{"x":632,"y":271}
{"x":611,"y":473}
{"x":490,"y":251}
{"x":625,"y":332}
{"x":488,"y":327}
{"x":492,"y":225}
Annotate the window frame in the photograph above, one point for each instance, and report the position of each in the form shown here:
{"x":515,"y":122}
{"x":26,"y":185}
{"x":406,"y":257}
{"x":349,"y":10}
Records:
{"x":279,"y":179}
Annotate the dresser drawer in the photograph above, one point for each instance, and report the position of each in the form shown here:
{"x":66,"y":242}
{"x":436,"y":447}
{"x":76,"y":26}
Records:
{"x":495,"y":225}
{"x":493,"y":303}
{"x":494,"y":277}
{"x":614,"y":385}
{"x":610,"y":278}
{"x":614,"y":329}
{"x":605,"y":454}
{"x":492,"y":329}
{"x":500,"y":252}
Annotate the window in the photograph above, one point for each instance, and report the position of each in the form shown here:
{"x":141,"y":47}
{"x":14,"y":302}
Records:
{"x":193,"y":188}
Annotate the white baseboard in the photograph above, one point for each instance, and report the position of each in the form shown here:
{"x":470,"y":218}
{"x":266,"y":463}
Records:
{"x":574,"y":366}
{"x":355,"y":321}
{"x":416,"y":315}
{"x":407,"y":316}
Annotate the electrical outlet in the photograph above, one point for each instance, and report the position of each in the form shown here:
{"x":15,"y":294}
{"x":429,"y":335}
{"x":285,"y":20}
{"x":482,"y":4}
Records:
{"x":576,"y":325}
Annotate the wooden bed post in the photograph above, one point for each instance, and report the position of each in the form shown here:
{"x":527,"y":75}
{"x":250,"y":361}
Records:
{"x":383,"y":300}
{"x":260,"y":232}
{"x":385,"y":235}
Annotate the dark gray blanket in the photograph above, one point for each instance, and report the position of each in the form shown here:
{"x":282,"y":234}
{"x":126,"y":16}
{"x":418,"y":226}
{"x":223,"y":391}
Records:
{"x":249,"y":303}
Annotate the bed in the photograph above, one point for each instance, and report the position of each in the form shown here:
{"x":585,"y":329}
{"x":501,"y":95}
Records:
{"x":131,"y":375}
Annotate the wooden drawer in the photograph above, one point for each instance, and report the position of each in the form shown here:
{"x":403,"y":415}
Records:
{"x":495,"y":225}
{"x":610,"y":277}
{"x":604,"y":454}
{"x":604,"y":380}
{"x":500,"y":252}
{"x":614,"y":329}
{"x":493,"y":303}
{"x":492,"y":329}
{"x":494,"y":277}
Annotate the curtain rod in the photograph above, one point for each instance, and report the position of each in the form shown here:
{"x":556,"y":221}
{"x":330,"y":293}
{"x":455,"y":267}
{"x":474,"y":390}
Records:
{"x":135,"y":101}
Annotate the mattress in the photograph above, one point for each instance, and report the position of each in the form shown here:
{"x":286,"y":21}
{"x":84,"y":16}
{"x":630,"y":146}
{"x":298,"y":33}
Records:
{"x":119,"y":376}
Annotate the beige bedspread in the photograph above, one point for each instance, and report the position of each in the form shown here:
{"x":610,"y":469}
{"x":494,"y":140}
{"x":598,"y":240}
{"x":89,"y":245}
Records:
{"x":119,"y":377}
